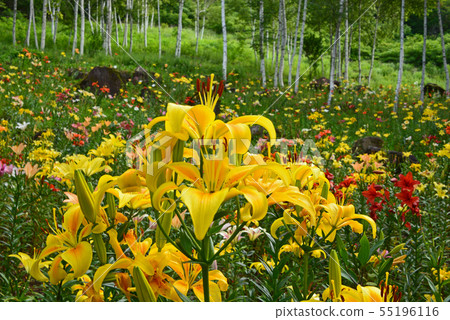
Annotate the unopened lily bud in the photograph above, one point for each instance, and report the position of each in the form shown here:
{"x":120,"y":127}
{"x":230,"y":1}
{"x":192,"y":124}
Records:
{"x":143,"y":289}
{"x":334,"y":274}
{"x":100,"y":248}
{"x":165,"y":222}
{"x":397,"y":249}
{"x":111,"y":209}
{"x":178,"y":150}
{"x":85,"y":197}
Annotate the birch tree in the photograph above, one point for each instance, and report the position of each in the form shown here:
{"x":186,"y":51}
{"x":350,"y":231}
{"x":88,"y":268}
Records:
{"x":283,"y":32}
{"x":180,"y":28}
{"x":197,"y":25}
{"x":333,"y":51}
{"x":297,"y":21}
{"x":261,"y":43}
{"x":346,"y":48}
{"x":131,"y":25}
{"x":441,"y":30}
{"x":402,"y":56}
{"x":14,"y":22}
{"x":57,"y":10}
{"x":359,"y":46}
{"x":32,"y":23}
{"x":44,"y":24}
{"x":424,"y":51}
{"x":145,"y":23}
{"x":82,"y":27}
{"x":300,"y":47}
{"x":125,"y":30}
{"x":377,"y":19}
{"x":224,"y":33}
{"x":75,"y":29}
{"x":159,"y":31}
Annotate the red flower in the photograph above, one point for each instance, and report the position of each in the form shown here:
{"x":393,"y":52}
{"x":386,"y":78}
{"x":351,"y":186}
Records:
{"x":407,"y":199}
{"x":372,"y":193}
{"x":406,"y":182}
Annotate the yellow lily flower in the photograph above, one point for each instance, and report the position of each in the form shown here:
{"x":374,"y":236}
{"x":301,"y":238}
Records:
{"x":189,"y":272}
{"x":336,"y":217}
{"x":146,"y":257}
{"x":86,"y":291}
{"x":219,"y":183}
{"x":69,"y":242}
{"x":88,"y":165}
{"x":32,"y":265}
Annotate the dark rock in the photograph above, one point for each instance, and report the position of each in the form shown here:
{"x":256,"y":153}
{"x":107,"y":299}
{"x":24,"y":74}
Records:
{"x":360,"y":88}
{"x":397,"y":157}
{"x":321,"y":83}
{"x":432,"y":88}
{"x":103,"y":77}
{"x":125,"y":76}
{"x":367,"y":145}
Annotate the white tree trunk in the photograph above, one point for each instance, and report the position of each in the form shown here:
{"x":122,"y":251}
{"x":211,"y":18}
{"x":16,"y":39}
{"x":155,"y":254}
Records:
{"x":109,"y":22}
{"x":131,"y":26}
{"x":204,"y":21}
{"x":44,"y":24}
{"x":224,"y":33}
{"x":145,"y":23}
{"x":402,"y":56}
{"x":58,"y":9}
{"x":333,"y":52}
{"x":14,"y":22}
{"x":261,"y":43}
{"x":117,"y":26}
{"x":27,"y":39}
{"x":441,"y":29}
{"x":291,"y":61}
{"x":82,"y":27}
{"x":346,"y":48}
{"x":424,"y":52}
{"x":300,"y":47}
{"x":283,"y":27}
{"x":159,"y":32}
{"x":125,"y":30}
{"x":359,"y":46}
{"x":377,"y":19}
{"x":153,"y":15}
{"x":268,"y":45}
{"x":180,"y":28}
{"x":51,"y":10}
{"x":75,"y":29}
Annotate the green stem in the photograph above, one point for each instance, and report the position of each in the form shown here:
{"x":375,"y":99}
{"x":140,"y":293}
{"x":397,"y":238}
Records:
{"x":305,"y":274}
{"x":205,"y":276}
{"x":173,"y":243}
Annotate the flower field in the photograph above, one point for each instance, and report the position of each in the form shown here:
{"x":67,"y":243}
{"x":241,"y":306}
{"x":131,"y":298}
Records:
{"x":236,"y":193}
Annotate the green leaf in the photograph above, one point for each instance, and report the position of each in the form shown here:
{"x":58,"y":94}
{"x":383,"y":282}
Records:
{"x":364,"y":250}
{"x":385,"y":266}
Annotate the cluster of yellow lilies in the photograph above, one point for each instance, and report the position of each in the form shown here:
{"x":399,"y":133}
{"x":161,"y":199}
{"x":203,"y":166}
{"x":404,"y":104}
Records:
{"x":187,"y":172}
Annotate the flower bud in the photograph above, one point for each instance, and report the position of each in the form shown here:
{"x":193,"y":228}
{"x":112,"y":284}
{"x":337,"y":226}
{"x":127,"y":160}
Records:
{"x":334,"y":275}
{"x":85,"y":197}
{"x":143,"y":289}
